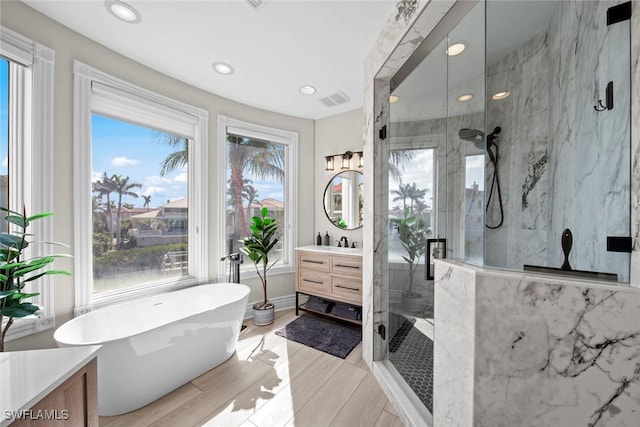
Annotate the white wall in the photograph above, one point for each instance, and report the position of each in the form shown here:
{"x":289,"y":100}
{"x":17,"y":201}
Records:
{"x":333,"y":135}
{"x":69,"y":45}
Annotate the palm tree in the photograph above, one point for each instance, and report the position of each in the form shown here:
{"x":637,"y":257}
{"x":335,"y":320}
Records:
{"x":398,"y":160}
{"x":261,"y":159}
{"x":99,"y":209}
{"x":176,"y":159}
{"x":147,"y":201}
{"x":402,"y":193}
{"x":251,"y":194}
{"x":123,"y":187}
{"x":105,"y":187}
{"x":415,"y":194}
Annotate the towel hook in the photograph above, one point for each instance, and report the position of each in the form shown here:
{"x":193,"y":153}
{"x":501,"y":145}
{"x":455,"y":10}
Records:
{"x":608,"y":99}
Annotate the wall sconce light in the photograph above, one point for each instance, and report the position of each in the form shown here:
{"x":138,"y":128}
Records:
{"x":329,"y":163}
{"x":346,"y":160}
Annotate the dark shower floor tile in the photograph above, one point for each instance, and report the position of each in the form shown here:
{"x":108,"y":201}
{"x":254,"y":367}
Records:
{"x":411,"y":352}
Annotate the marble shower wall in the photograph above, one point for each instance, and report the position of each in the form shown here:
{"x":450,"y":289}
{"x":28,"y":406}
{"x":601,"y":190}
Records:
{"x":561,"y":162}
{"x":537,"y":351}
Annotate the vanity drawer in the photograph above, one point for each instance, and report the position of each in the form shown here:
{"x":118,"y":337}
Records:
{"x":347,"y":288}
{"x":314,"y":261}
{"x":348,"y":266}
{"x":314,"y":281}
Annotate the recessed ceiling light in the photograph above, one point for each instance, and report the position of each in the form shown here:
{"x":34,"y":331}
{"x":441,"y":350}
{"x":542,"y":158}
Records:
{"x":307,"y":90}
{"x":123,"y":11}
{"x":500,"y":95}
{"x":393,"y":99}
{"x":223,"y":68}
{"x":456,"y":49}
{"x":466,"y":97}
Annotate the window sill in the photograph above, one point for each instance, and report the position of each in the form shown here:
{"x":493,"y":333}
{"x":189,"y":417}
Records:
{"x":119,"y":296}
{"x":29,"y":325}
{"x":250,"y":272}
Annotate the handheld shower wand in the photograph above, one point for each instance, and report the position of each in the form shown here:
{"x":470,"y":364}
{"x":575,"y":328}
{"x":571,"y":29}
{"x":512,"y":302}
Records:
{"x":477,"y":137}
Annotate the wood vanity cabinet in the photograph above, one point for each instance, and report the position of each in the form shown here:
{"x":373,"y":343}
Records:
{"x":73,"y":403}
{"x":332,"y":276}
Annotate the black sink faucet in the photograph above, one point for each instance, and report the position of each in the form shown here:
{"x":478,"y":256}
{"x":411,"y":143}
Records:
{"x":346,"y":242}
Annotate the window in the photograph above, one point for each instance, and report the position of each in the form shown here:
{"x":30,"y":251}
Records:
{"x":26,"y":141}
{"x":139,"y":205}
{"x":140,"y":191}
{"x":474,"y":208}
{"x":257,"y":169}
{"x":411,"y":189}
{"x":4,"y":138}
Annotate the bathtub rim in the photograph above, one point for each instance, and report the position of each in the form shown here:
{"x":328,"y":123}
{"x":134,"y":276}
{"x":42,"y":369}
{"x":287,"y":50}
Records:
{"x":59,"y":343}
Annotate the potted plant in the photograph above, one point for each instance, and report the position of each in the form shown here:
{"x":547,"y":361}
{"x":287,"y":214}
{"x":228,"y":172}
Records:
{"x":412,"y":232}
{"x":257,"y":247}
{"x":16,"y":272}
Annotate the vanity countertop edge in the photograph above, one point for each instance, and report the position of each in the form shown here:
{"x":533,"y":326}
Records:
{"x":334,"y":250}
{"x":30,"y":375}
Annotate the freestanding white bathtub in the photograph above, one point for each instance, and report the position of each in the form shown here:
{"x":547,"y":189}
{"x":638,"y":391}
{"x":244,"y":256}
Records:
{"x":156,"y":344}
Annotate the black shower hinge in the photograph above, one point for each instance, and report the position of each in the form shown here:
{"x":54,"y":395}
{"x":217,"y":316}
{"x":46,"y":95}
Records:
{"x":382,"y":331}
{"x":383,"y":132}
{"x":619,"y":244}
{"x":619,"y":13}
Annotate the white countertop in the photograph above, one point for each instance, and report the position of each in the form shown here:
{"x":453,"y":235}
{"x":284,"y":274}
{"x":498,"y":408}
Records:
{"x":28,"y":376}
{"x":331,"y":250}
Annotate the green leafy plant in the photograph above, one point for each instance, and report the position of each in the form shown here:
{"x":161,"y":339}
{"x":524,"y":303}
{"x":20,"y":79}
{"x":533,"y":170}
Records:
{"x":16,"y":271}
{"x":412,"y":232}
{"x":258,"y":245}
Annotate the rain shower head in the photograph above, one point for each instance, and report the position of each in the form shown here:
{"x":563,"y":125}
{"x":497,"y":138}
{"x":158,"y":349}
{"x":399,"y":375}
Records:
{"x":471,"y":135}
{"x":477,"y":136}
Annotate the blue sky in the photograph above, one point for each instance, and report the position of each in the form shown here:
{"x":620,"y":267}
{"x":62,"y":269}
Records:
{"x":4,"y":111}
{"x":131,"y":150}
{"x":127,"y":149}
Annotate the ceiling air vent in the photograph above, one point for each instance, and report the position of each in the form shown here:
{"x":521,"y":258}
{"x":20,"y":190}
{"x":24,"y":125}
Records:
{"x":335,"y":99}
{"x":256,"y":3}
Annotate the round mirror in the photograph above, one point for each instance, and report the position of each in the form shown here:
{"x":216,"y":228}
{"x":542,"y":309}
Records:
{"x":343,"y":200}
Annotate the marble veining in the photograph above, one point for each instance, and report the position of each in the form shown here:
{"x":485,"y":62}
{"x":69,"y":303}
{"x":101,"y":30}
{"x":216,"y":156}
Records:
{"x":546,"y":352}
{"x":537,"y":168}
{"x":560,"y":161}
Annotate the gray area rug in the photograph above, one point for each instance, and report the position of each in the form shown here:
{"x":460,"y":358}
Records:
{"x":335,"y":338}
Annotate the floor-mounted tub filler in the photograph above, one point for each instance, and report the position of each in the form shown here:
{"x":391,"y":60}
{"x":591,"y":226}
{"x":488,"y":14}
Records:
{"x":156,"y":344}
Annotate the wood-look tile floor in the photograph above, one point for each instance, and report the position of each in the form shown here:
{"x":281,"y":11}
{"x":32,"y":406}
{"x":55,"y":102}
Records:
{"x":271,"y":382}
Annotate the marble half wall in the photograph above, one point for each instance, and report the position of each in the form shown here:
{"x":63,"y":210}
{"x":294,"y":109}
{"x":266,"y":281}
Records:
{"x":515,"y":349}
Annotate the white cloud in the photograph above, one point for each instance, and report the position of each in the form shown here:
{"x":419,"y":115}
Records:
{"x":5,"y":162}
{"x":153,"y":180}
{"x":123,"y":161}
{"x":154,"y":191}
{"x":183,"y":177}
{"x":96,"y":176}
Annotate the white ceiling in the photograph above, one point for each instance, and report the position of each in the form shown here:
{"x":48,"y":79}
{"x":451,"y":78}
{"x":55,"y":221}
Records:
{"x":274,"y":49}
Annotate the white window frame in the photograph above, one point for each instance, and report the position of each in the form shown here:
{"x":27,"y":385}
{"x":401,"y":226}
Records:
{"x":100,"y":93}
{"x":423,"y":142}
{"x":290,"y":140}
{"x":31,"y":164}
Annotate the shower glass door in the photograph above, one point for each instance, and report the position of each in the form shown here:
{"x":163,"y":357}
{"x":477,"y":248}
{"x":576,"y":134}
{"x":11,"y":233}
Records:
{"x":436,"y":191}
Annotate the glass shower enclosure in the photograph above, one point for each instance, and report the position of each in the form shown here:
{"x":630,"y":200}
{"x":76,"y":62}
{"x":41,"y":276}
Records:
{"x":499,"y":141}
